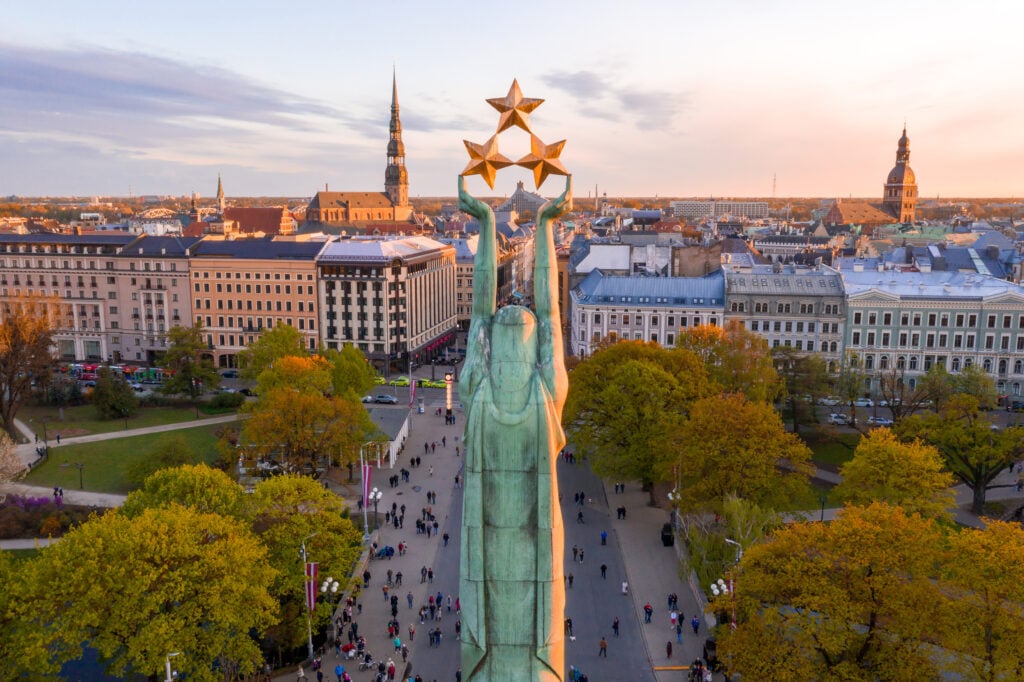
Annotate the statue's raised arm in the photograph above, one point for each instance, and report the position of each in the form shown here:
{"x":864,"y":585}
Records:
{"x":545,"y":295}
{"x":485,"y":265}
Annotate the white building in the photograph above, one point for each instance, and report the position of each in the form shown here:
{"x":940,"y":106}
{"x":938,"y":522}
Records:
{"x":696,"y":209}
{"x":642,"y":308}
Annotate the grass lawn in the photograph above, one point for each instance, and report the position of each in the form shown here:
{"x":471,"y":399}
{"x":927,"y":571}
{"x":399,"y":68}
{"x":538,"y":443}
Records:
{"x":830,"y":446}
{"x":107,"y":461}
{"x":81,"y":420}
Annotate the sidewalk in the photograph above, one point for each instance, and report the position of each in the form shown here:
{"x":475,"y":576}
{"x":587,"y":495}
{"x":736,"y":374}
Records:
{"x":653,"y":572}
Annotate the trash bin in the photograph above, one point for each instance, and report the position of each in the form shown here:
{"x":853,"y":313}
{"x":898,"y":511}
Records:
{"x":668,"y":537}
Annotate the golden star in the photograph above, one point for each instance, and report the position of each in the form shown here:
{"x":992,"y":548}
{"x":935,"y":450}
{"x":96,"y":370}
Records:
{"x":543,"y":160}
{"x":515,"y":109}
{"x":484,"y":160}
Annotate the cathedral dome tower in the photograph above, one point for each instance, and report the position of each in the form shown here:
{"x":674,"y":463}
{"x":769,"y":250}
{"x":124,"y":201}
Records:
{"x":900,"y":198}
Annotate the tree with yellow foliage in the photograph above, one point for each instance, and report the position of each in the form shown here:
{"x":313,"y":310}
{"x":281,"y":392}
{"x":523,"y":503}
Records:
{"x":731,"y":445}
{"x":738,"y":360}
{"x":910,"y":475}
{"x":134,"y":588}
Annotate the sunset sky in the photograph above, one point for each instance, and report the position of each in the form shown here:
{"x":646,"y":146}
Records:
{"x":655,"y":98}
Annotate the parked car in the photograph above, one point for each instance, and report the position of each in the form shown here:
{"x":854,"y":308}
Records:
{"x":1016,"y":406}
{"x":828,"y":401}
{"x":386,"y":399}
{"x":838,"y":419}
{"x":864,"y":402}
{"x":399,"y":381}
{"x":367,"y":398}
{"x":880,"y":421}
{"x":247,"y":391}
{"x":230,"y":374}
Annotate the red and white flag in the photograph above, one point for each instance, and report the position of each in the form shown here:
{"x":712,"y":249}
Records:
{"x":312,"y":573}
{"x":366,"y":485}
{"x":412,"y":391}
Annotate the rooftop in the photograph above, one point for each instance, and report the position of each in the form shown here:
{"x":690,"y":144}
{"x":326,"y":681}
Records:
{"x":701,"y":292}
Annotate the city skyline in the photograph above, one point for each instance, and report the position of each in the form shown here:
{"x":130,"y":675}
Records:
{"x":663,"y":100}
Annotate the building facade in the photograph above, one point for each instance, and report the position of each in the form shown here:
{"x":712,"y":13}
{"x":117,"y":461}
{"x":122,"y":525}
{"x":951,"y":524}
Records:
{"x":394,"y":299}
{"x":913,"y":320}
{"x":900,"y":192}
{"x":117,"y":294}
{"x":696,"y":209}
{"x":654,"y":309}
{"x":803,"y":308}
{"x":240,"y":287}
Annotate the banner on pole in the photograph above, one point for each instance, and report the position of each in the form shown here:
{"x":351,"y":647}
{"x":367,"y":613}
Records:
{"x":366,"y":485}
{"x":312,"y":573}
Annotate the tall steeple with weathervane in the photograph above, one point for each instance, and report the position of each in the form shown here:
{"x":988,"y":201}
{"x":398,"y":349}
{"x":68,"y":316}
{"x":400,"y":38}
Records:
{"x":396,"y":178}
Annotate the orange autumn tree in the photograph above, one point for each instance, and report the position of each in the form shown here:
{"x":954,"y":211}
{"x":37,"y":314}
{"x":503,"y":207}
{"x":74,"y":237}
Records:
{"x":736,"y":359}
{"x":297,"y":420}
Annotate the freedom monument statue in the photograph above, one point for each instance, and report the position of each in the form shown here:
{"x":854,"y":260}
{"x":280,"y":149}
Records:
{"x":513,"y":387}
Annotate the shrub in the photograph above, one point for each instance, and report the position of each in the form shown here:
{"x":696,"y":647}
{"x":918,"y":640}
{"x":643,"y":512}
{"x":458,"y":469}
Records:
{"x":226,"y":401}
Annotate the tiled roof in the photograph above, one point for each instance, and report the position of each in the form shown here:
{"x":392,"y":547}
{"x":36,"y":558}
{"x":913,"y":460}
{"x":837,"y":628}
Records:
{"x":934,"y":285}
{"x":350,"y":200}
{"x":150,"y":246}
{"x":861,"y":212}
{"x":266,"y":219}
{"x":700,"y":292}
{"x":789,"y":280}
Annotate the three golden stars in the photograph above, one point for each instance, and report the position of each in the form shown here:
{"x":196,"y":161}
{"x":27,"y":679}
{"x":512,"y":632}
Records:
{"x":485,"y":160}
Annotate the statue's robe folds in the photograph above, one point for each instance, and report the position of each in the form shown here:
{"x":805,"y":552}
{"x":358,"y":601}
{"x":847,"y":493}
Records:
{"x":511,"y":578}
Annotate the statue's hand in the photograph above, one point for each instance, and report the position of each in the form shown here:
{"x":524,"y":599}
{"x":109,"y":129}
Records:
{"x":470,"y":204}
{"x":556,"y":208}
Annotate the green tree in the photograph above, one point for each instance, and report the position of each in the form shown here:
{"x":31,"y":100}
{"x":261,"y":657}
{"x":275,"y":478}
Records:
{"x":736,"y":359}
{"x":849,"y":600}
{"x":351,"y":374}
{"x":186,"y":357}
{"x":624,"y":403}
{"x":170,"y":451}
{"x":113,"y":397}
{"x":281,"y":341}
{"x":196,"y":486}
{"x":938,"y":386}
{"x":732,"y":446}
{"x":137,"y":587}
{"x":804,"y":378}
{"x":26,"y":343}
{"x":286,"y":509}
{"x":909,"y":475}
{"x":972,"y":450}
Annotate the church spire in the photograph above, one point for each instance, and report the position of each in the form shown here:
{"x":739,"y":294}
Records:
{"x":396,"y":178}
{"x":220,"y":195}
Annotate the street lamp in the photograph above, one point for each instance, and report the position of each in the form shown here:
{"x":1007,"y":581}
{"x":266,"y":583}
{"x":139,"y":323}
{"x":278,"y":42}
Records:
{"x":375,"y":497}
{"x":329,"y":588}
{"x":79,"y":466}
{"x":167,"y":666}
{"x":309,"y":571}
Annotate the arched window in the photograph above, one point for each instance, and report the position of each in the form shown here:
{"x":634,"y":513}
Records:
{"x":1018,"y":366}
{"x":956,"y":364}
{"x":913,"y":363}
{"x":869,"y":362}
{"x":901,"y":362}
{"x":987,"y":364}
{"x":1002,"y":366}
{"x":883,"y":362}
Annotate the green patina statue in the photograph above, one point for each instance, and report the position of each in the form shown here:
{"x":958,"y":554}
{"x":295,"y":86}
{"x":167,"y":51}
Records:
{"x":513,"y":387}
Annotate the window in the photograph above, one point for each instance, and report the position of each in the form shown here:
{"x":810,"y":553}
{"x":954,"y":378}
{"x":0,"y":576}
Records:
{"x":887,"y":318}
{"x":856,"y":318}
{"x":871,"y":338}
{"x":931,"y":319}
{"x":872,"y":318}
{"x":991,"y":321}
{"x":856,"y":339}
{"x":1006,"y":321}
{"x":960,"y":320}
{"x":597,"y":318}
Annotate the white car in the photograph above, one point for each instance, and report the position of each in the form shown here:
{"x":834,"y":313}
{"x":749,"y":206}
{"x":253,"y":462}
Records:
{"x":864,"y":402}
{"x":838,"y":419}
{"x":828,"y":401}
{"x":880,"y":421}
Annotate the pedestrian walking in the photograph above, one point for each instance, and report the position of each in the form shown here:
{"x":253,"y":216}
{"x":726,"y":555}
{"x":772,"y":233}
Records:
{"x":668,"y":649}
{"x":615,"y":626}
{"x":648,"y":612}
{"x":412,"y":632}
{"x":581,"y":556}
{"x":625,"y":588}
{"x":579,"y":516}
{"x":695,"y":623}
{"x":408,"y":599}
{"x":575,"y":552}
{"x":679,"y":633}
{"x":673,"y":617}
{"x":604,"y":537}
{"x":445,"y":538}
{"x":603,"y":650}
{"x":604,"y":571}
{"x":570,"y":579}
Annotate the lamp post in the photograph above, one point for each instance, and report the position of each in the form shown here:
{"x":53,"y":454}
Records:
{"x":309,"y":579}
{"x":167,"y":666}
{"x":375,"y":497}
{"x":329,"y":588}
{"x":79,"y":466}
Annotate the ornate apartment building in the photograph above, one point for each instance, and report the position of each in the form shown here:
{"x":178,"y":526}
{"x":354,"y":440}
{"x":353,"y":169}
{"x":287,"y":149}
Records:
{"x":800,"y":307}
{"x":118,"y":294}
{"x":912,"y":320}
{"x":642,"y":308}
{"x":242,"y":286}
{"x":394,"y":298}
